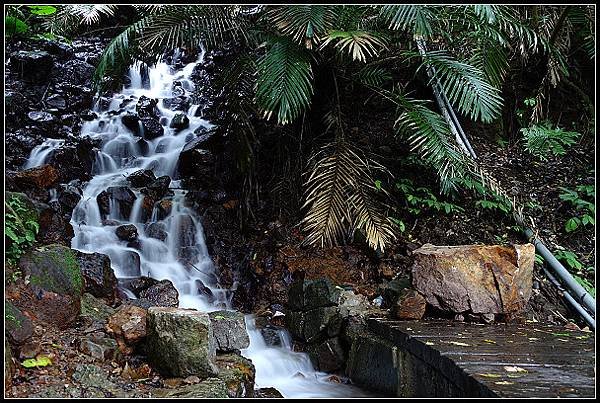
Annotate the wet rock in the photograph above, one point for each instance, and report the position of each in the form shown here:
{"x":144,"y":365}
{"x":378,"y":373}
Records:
{"x":100,"y":280}
{"x":141,"y":178}
{"x":305,"y":295}
{"x":41,"y":117}
{"x":229,"y":330}
{"x":180,"y":121}
{"x":122,"y":195}
{"x":99,"y":347}
{"x":79,"y":72}
{"x":314,"y":325}
{"x":181,"y":342}
{"x":180,"y":103}
{"x":157,"y":230}
{"x":132,"y":122}
{"x":327,"y":356}
{"x":32,"y":65}
{"x":476,"y":279}
{"x":56,"y":102}
{"x":9,"y":366}
{"x":146,"y":107}
{"x":409,"y":306}
{"x":18,"y":327}
{"x":55,"y":226}
{"x":158,"y":293}
{"x":152,"y":128}
{"x":158,"y":188}
{"x":266,"y":393}
{"x":390,"y":290}
{"x":194,"y":159}
{"x":95,"y":308}
{"x":238,"y":373}
{"x":128,"y":325}
{"x":95,"y":382}
{"x":164,"y":208}
{"x":127,"y":232}
{"x":271,"y":334}
{"x":54,"y":268}
{"x":211,"y":388}
{"x":74,"y":159}
{"x":69,"y":196}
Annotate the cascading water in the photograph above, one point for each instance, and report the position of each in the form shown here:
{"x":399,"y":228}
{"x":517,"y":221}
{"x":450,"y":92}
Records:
{"x":121,"y":155}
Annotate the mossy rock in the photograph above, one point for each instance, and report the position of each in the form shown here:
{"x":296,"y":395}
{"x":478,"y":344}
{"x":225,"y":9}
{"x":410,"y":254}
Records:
{"x":18,"y":327}
{"x":238,"y":373}
{"x":54,"y":268}
{"x":210,"y":388}
{"x":95,"y":308}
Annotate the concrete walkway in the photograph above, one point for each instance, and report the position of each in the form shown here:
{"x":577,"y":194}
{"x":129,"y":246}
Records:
{"x":443,"y":359}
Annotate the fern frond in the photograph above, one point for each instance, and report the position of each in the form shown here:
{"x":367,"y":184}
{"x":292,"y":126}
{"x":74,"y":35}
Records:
{"x":284,"y":84}
{"x":340,"y":201}
{"x":415,"y":19}
{"x":429,"y":135}
{"x":541,"y":140}
{"x":358,"y":44}
{"x":466,"y":86}
{"x":305,"y":23}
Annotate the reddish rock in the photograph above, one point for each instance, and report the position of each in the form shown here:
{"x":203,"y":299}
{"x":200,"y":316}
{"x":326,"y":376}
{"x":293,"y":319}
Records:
{"x":475,"y":278}
{"x":410,"y":306}
{"x":128,"y":325}
{"x":59,"y":310}
{"x":44,"y":176}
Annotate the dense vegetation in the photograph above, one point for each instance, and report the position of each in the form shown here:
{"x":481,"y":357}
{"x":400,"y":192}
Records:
{"x":297,"y":66}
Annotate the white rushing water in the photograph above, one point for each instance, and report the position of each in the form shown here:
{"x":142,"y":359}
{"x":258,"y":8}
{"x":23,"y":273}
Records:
{"x":121,"y":154}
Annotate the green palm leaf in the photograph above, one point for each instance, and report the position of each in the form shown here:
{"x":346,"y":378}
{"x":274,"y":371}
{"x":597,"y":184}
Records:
{"x":284,"y":84}
{"x":358,"y":44}
{"x":306,"y":24}
{"x":416,"y":19}
{"x":465,"y":86}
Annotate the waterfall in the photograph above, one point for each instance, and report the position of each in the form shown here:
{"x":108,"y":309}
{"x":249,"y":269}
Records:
{"x":121,"y":155}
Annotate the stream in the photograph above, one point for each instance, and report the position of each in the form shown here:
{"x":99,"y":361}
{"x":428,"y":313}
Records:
{"x":122,"y":153}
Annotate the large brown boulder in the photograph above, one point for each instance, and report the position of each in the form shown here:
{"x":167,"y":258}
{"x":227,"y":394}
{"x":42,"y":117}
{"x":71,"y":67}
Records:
{"x":477,"y":279}
{"x":128,"y":325}
{"x":44,"y":176}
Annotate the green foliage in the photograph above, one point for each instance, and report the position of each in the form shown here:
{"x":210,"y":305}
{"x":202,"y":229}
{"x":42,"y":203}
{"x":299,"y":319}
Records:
{"x":39,"y":361}
{"x":466,"y":86}
{"x":14,"y":26}
{"x":359,"y":45}
{"x":19,"y":228}
{"x":305,"y":24}
{"x":284,"y":85}
{"x":586,"y":208}
{"x":541,"y":140}
{"x":422,"y":198}
{"x":42,"y":10}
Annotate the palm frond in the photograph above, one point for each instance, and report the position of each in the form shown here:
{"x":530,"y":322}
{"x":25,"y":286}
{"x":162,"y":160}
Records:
{"x":492,"y":60}
{"x":339,"y":200}
{"x":358,"y":44}
{"x":374,"y":76}
{"x":305,"y":23}
{"x":284,"y":84}
{"x":466,"y":86}
{"x":429,"y":135}
{"x":70,"y":17}
{"x":415,"y":19}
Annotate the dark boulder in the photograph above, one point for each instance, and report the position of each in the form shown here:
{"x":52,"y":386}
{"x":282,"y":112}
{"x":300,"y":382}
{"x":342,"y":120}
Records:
{"x":100,"y":280}
{"x":32,"y":66}
{"x":195,"y":161}
{"x":18,"y":327}
{"x":177,"y":103}
{"x":132,"y":122}
{"x":305,"y":295}
{"x":152,"y":127}
{"x":180,"y":121}
{"x":156,"y":230}
{"x":146,"y":107}
{"x":141,"y":178}
{"x":229,"y":330}
{"x":127,"y":232}
{"x":122,"y":195}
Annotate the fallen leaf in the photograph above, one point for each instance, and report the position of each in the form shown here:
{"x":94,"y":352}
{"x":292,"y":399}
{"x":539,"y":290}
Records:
{"x":428,"y":343}
{"x":458,"y":343}
{"x":514,"y":368}
{"x":489,"y":341}
{"x":490,"y":375}
{"x":39,"y":361}
{"x":504,"y":383}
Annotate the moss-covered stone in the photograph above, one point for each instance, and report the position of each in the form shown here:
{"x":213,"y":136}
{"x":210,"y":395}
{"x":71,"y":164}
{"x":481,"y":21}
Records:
{"x":210,"y":388}
{"x":54,"y":268}
{"x":18,"y":327}
{"x":95,"y":308}
{"x":238,"y":373}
